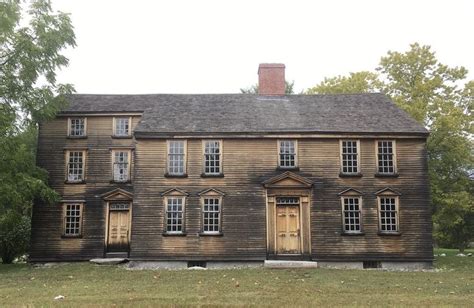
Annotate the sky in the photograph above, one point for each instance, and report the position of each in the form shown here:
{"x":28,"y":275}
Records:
{"x":211,"y":46}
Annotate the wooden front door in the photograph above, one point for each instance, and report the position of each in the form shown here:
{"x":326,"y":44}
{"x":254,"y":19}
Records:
{"x":288,"y":229}
{"x":119,"y":227}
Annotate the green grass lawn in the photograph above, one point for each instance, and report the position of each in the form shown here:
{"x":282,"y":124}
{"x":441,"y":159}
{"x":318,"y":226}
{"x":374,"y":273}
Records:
{"x":86,"y":284}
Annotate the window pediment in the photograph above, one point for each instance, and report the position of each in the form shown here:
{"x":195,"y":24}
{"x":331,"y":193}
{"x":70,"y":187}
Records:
{"x":174,"y":192}
{"x":211,"y":192}
{"x":387,"y":192}
{"x":350,"y":192}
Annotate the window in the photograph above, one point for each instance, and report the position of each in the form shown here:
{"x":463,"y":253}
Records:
{"x":174,"y":214}
{"x":121,"y":165}
{"x":386,"y":157}
{"x":388,"y":214}
{"x":72,"y":219}
{"x":287,"y":154}
{"x":176,"y":157}
{"x":122,"y":127}
{"x":212,"y":157}
{"x":211,"y":215}
{"x":77,"y":127}
{"x":351,"y":212}
{"x":75,"y":166}
{"x":349,"y":156}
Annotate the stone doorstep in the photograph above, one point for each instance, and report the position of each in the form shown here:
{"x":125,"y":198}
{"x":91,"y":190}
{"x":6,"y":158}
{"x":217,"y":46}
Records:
{"x":108,"y":261}
{"x":289,"y":264}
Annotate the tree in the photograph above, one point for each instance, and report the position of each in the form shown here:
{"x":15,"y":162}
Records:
{"x":359,"y":82}
{"x":433,"y":94}
{"x":30,"y":55}
{"x":289,"y":88}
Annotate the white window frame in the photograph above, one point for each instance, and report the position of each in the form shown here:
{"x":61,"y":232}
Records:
{"x":341,"y":149}
{"x":183,"y":214}
{"x":84,"y":160}
{"x":295,"y":154}
{"x":115,"y":122}
{"x":219,"y":214}
{"x":69,"y":124}
{"x":67,"y":228}
{"x":168,"y":154}
{"x":129,"y":165}
{"x":204,"y":154}
{"x":344,"y":230}
{"x":397,"y":213}
{"x":394,"y":156}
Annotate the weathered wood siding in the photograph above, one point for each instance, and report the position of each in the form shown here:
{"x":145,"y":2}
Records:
{"x":246,"y":164}
{"x":47,"y":222}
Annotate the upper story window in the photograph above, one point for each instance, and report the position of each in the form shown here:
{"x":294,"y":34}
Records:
{"x":386,"y":158}
{"x":77,"y":127}
{"x":388,"y":214}
{"x":122,"y":127}
{"x":350,"y":157}
{"x":75,"y":166}
{"x":72,"y":223}
{"x":176,"y":157}
{"x":175,"y":214}
{"x":212,"y":157}
{"x":121,"y":165}
{"x":287,"y":153}
{"x":351,"y":211}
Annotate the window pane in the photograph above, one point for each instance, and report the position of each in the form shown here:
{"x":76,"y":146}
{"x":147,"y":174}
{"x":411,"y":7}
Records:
{"x":122,"y":126}
{"x":176,"y":157}
{"x":76,"y":166}
{"x":121,"y":166}
{"x":211,"y":215}
{"x":174,"y":214}
{"x":287,"y":154}
{"x":388,"y":214}
{"x":351,"y":212}
{"x":72,"y":219}
{"x":385,"y":157}
{"x":212,"y":156}
{"x":77,"y":127}
{"x":349,"y":157}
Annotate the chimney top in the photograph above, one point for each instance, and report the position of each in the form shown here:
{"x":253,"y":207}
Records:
{"x":271,"y":79}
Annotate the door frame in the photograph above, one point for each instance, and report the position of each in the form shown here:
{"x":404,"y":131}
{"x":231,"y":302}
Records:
{"x":107,"y":222}
{"x":300,"y":229}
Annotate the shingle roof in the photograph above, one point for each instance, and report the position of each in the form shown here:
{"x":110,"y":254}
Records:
{"x":166,"y":114}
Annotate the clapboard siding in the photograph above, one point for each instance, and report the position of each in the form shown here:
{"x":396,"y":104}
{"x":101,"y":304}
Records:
{"x":246,"y":164}
{"x":47,"y":224}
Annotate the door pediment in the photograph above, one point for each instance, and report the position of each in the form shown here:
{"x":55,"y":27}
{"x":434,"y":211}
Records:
{"x":118,"y":195}
{"x":288,"y":180}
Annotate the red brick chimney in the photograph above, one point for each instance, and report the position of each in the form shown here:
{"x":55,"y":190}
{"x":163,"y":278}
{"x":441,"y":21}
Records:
{"x":271,"y":79}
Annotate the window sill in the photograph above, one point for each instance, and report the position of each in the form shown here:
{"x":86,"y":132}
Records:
{"x":386,"y":175}
{"x":211,"y":234}
{"x":167,"y":175}
{"x":389,"y":233}
{"x":122,"y":137}
{"x":76,"y":137}
{"x":288,"y":168}
{"x":120,"y":182}
{"x":219,"y":175}
{"x":174,"y":234}
{"x":75,"y":182}
{"x":71,"y":236}
{"x":353,"y":233}
{"x":350,"y":175}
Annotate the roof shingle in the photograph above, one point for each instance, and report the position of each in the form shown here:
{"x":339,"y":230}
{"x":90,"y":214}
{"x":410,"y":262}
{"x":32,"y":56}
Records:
{"x":165,"y":114}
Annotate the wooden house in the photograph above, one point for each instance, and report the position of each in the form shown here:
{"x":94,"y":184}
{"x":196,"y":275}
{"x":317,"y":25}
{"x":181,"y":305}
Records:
{"x":337,"y":179}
